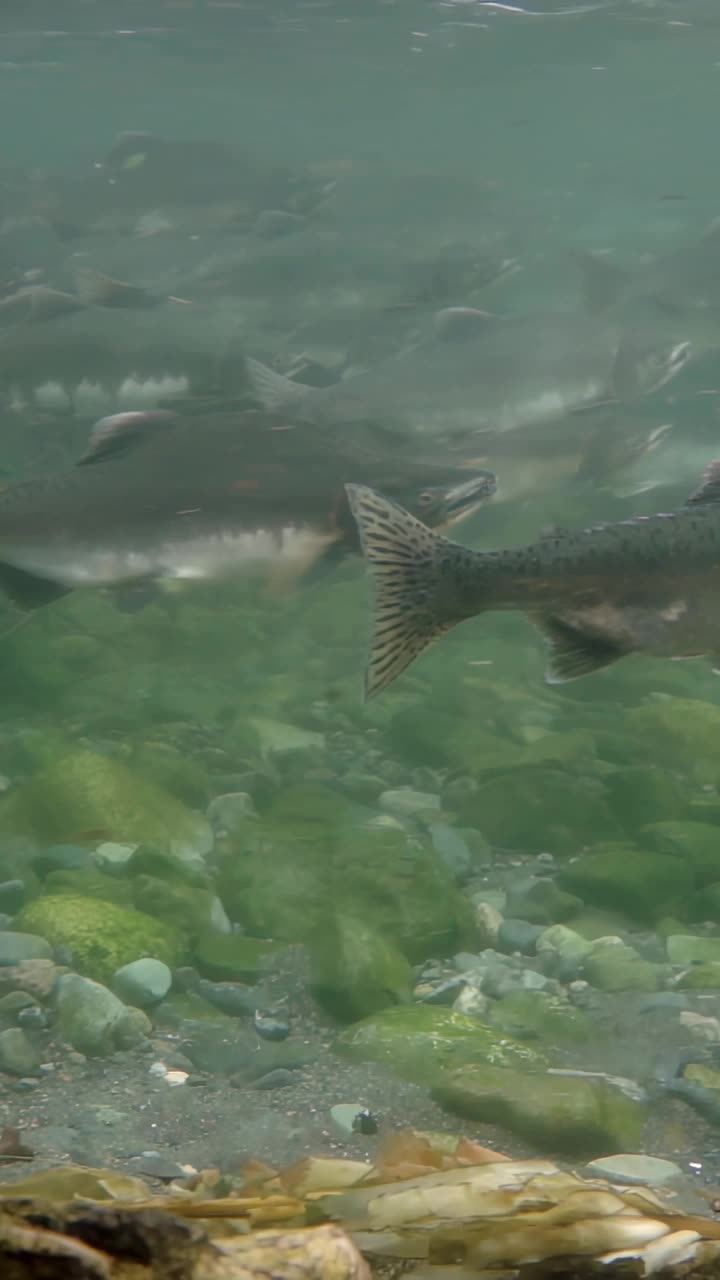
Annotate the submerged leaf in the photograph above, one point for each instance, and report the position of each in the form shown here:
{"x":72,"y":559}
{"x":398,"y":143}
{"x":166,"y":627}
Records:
{"x":318,"y":1173}
{"x":11,"y":1147}
{"x":75,"y":1182}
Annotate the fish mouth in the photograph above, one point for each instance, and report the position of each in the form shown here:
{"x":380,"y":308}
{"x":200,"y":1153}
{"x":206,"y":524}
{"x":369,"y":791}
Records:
{"x":462,"y":500}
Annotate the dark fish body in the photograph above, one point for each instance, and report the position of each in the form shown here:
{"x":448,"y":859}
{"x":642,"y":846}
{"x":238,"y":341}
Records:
{"x":650,"y":585}
{"x":159,"y":495}
{"x":93,"y":362}
{"x":142,"y":173}
{"x":682,"y":285}
{"x":489,"y":374}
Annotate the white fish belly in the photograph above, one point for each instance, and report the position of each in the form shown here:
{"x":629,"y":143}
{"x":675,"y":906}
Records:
{"x":209,"y":556}
{"x":93,"y":399}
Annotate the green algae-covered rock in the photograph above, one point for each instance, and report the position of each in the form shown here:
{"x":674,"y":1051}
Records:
{"x":640,"y":794}
{"x":644,"y":886}
{"x":233,"y":957}
{"x":556,"y":1113}
{"x":419,"y":1042}
{"x":705,"y":904}
{"x":101,"y":936}
{"x":172,"y":889}
{"x":539,"y":900}
{"x":95,"y":1021}
{"x":183,"y":776}
{"x":286,"y":879}
{"x":684,"y":732}
{"x":701,"y":977}
{"x":511,"y":808}
{"x":81,"y":791}
{"x":616,"y":967}
{"x":697,"y":843}
{"x":686,"y":948}
{"x":357,"y":971}
{"x":538,"y":1015}
{"x":90,"y":884}
{"x":567,"y":944}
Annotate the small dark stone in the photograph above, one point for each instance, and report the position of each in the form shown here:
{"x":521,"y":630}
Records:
{"x":152,"y":1164}
{"x":280,"y":1078}
{"x":232,"y":998}
{"x":365,"y":1122}
{"x":186,"y":978}
{"x":61,"y":857}
{"x":270,"y":1026}
{"x":519,"y":935}
{"x":32,"y":1018}
{"x":446,"y":991}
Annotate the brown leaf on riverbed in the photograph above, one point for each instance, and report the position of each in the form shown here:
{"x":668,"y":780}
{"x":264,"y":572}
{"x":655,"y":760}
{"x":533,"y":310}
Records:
{"x":11,"y":1146}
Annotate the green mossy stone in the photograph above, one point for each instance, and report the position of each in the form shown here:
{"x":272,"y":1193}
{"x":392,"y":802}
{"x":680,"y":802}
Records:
{"x":420,"y":1042}
{"x":685,"y":948}
{"x":185,"y":778}
{"x":233,"y":957}
{"x":101,"y":936}
{"x":511,"y":808}
{"x":537,"y":1015}
{"x":701,"y":977}
{"x":539,"y":900}
{"x":697,"y":843}
{"x":620,"y":968}
{"x":357,"y":971}
{"x":556,"y":1113}
{"x":705,"y":904}
{"x":644,"y":886}
{"x":683,"y":732}
{"x":89,"y":884}
{"x":289,"y":880}
{"x":185,"y":907}
{"x":643,"y":794}
{"x":82,"y":791}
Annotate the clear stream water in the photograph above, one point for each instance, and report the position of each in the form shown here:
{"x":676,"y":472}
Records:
{"x":428,"y":132}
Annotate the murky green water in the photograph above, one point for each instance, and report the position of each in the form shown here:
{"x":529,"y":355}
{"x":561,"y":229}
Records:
{"x":396,"y":902}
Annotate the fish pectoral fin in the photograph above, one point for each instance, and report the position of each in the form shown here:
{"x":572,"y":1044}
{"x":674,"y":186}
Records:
{"x":709,"y":490}
{"x":301,"y":567}
{"x":459,"y":323}
{"x":29,"y":590}
{"x":113,"y":436}
{"x":574,"y":652}
{"x":96,"y":289}
{"x":272,"y":389}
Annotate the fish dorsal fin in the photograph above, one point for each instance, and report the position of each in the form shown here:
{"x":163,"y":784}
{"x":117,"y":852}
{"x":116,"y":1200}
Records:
{"x":113,"y":436}
{"x":709,"y":490}
{"x":454,"y":324}
{"x":273,"y":389}
{"x":28,"y":590}
{"x":574,"y":652}
{"x":603,"y":280}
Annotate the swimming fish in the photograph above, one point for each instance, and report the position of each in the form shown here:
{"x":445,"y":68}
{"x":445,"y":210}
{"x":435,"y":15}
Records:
{"x":159,"y":495}
{"x":649,"y":584}
{"x":480,"y":373}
